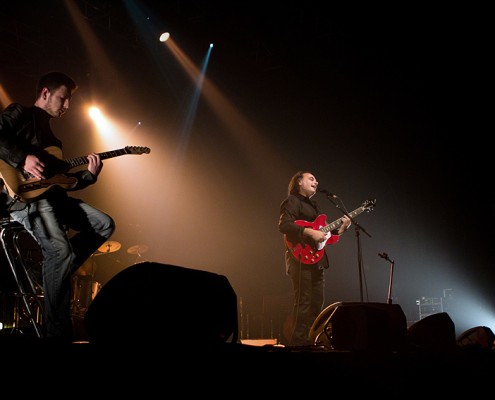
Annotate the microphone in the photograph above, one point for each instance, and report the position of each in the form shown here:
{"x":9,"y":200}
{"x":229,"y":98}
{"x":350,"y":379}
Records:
{"x":385,"y":256}
{"x":328,"y":193}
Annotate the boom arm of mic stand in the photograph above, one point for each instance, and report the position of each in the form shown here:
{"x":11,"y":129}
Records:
{"x":356,"y":225}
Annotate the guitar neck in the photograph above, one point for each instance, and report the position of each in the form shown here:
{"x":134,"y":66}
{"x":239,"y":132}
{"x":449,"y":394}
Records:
{"x":337,"y":223}
{"x":77,"y":161}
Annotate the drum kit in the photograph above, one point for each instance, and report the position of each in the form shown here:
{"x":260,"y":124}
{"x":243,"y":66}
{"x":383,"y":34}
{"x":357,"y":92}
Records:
{"x":84,"y":286}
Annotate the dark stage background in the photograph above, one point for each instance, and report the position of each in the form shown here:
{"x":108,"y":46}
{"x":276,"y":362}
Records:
{"x":380,"y":103}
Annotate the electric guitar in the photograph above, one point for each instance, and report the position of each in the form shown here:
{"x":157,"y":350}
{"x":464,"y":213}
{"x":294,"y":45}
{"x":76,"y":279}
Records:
{"x":26,"y":188}
{"x":310,"y":253}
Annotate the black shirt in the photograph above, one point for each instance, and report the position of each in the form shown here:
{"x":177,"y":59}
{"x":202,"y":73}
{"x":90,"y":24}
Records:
{"x":298,"y":207}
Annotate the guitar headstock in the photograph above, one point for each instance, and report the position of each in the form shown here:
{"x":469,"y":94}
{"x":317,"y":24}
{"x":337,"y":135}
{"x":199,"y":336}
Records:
{"x":137,"y":150}
{"x":369,"y":204}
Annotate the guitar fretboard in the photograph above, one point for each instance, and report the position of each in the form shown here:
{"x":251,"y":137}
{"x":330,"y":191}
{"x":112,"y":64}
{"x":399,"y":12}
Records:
{"x":75,"y":162}
{"x":336,"y":224}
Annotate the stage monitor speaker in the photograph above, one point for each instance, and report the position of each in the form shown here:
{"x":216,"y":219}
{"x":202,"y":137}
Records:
{"x":479,"y":336}
{"x":150,"y":302}
{"x":351,"y":326}
{"x":434,"y":332}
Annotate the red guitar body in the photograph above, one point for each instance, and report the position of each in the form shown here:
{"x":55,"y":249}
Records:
{"x":310,"y":253}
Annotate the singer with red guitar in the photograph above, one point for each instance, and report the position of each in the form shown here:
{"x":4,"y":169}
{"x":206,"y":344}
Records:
{"x":305,"y":256}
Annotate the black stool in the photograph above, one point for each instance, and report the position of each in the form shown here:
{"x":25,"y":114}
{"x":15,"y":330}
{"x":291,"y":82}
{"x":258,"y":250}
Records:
{"x":29,"y":295}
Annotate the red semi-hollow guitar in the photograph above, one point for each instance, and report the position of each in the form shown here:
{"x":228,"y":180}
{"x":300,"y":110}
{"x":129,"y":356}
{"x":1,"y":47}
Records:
{"x":311,"y":253}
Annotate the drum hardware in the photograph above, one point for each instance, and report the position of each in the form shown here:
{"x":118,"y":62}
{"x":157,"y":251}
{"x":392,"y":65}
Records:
{"x":84,"y":290}
{"x":84,"y":287}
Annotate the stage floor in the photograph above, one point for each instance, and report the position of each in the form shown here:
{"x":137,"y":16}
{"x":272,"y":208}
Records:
{"x":235,"y":369}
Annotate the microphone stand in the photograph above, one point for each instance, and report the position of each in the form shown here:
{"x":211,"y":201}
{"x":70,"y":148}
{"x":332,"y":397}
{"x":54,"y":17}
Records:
{"x":391,"y":275}
{"x":357,"y":228}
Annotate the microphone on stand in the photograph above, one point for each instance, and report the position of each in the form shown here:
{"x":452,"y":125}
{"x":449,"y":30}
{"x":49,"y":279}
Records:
{"x":385,"y":256}
{"x":328,"y":193}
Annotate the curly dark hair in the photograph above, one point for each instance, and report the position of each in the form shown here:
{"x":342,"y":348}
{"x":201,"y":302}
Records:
{"x":294,"y":181}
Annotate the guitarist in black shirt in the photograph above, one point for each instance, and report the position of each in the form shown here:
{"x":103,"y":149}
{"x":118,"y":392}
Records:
{"x":305,"y":256}
{"x":67,"y":229}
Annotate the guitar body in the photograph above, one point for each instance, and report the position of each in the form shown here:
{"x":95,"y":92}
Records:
{"x":17,"y":183}
{"x":309,"y":253}
{"x":28,"y":189}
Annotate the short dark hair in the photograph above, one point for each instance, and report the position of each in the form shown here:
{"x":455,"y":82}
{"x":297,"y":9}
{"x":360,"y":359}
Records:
{"x":53,"y":80}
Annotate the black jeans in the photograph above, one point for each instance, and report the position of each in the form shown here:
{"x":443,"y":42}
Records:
{"x":308,"y":283}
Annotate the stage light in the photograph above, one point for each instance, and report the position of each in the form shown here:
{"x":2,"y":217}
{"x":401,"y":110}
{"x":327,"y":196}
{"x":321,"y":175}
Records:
{"x":95,"y":114}
{"x":164,"y":36}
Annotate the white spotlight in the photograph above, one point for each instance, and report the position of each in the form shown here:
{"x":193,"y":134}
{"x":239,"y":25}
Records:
{"x":164,"y":36}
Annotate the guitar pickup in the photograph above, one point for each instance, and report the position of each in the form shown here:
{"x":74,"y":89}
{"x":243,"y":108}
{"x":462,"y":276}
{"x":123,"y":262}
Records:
{"x":31,"y":186}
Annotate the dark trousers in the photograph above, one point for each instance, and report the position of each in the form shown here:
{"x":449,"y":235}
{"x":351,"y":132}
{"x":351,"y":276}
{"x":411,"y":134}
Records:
{"x":308,"y":283}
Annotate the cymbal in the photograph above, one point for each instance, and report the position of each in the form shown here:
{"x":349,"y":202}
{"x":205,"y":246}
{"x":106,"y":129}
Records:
{"x":109,"y":247}
{"x":138,"y":249}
